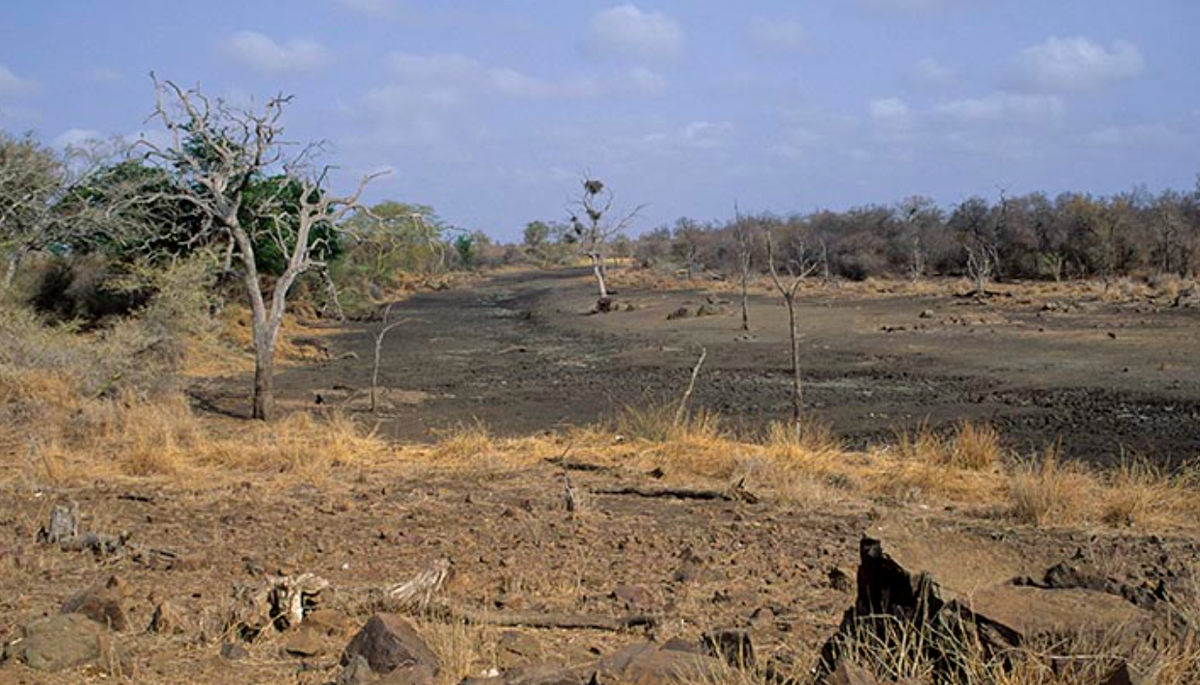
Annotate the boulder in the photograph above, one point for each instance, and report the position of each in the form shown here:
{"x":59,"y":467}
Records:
{"x":388,"y":642}
{"x":104,"y":603}
{"x":649,"y":664}
{"x":304,"y":642}
{"x":418,"y":674}
{"x":681,"y":313}
{"x":61,"y":642}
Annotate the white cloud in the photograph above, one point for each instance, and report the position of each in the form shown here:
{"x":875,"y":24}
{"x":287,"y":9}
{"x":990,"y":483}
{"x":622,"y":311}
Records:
{"x":12,"y":85}
{"x":263,"y":54}
{"x":930,"y":71}
{"x":1069,"y":64}
{"x":776,"y":35}
{"x":1005,"y":108}
{"x":627,"y":31}
{"x":890,"y":111}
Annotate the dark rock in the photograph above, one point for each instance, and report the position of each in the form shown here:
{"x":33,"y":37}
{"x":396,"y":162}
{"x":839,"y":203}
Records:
{"x":840,"y":580}
{"x":604,"y":305}
{"x":681,"y":313}
{"x":419,"y":674}
{"x":103,"y":603}
{"x":927,"y":314}
{"x":61,"y":642}
{"x":536,"y":674}
{"x":388,"y":642}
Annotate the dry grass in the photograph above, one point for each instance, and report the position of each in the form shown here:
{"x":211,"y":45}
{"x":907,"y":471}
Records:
{"x":1046,"y":489}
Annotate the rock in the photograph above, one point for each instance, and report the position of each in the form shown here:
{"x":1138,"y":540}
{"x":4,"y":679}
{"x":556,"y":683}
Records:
{"x":731,"y":646}
{"x":328,"y":622}
{"x":388,"y":642}
{"x":233,"y":651}
{"x":648,"y":664}
{"x":355,"y":672}
{"x":840,"y":580}
{"x":518,"y":649}
{"x":708,"y":309}
{"x":681,"y":313}
{"x":927,"y":314}
{"x":604,"y":305}
{"x":847,"y":673}
{"x":633,"y":597}
{"x":102,"y":603}
{"x":304,"y":642}
{"x":61,"y":642}
{"x":419,"y":674}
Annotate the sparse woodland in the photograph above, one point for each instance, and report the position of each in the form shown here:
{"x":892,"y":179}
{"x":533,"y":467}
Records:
{"x":136,"y":272}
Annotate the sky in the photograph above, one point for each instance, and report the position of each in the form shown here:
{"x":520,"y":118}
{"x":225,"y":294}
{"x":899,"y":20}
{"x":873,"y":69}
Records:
{"x":492,"y":111}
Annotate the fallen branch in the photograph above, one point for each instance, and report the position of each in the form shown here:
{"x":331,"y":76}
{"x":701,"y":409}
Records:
{"x":681,"y":412}
{"x":550,"y":620}
{"x":668,"y":493}
{"x":418,"y":592}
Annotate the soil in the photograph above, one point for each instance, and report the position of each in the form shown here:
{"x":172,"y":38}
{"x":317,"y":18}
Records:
{"x":521,"y":353}
{"x":763,"y":566}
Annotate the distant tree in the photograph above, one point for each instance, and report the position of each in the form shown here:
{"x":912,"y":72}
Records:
{"x":797,"y":271}
{"x":743,"y":235}
{"x":597,"y":227}
{"x":971,"y":221}
{"x":218,"y":152}
{"x":686,"y":245}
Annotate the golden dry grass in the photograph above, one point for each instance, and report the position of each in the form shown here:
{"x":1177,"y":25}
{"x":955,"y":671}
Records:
{"x":53,"y":433}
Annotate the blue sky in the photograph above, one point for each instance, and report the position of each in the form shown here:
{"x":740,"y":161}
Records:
{"x":490,"y":111}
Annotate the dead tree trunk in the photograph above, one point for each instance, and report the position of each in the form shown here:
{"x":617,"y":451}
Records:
{"x":788,"y":292}
{"x":743,"y":244}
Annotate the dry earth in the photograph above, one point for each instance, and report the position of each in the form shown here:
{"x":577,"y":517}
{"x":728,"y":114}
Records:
{"x":520,"y":353}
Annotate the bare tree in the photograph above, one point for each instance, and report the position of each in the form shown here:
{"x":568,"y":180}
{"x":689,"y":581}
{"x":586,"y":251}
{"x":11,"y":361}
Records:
{"x":797,"y":272}
{"x":217,"y":152}
{"x":597,"y":228}
{"x":744,"y":236}
{"x":384,"y":329}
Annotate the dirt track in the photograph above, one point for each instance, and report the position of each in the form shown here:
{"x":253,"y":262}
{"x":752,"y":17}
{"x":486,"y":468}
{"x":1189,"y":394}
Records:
{"x":520,"y":353}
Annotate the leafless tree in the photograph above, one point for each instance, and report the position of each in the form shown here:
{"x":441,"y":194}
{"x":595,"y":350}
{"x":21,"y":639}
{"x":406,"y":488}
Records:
{"x":217,"y":151}
{"x":384,"y":329}
{"x":597,"y":228}
{"x":797,"y":272}
{"x":744,"y":235}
